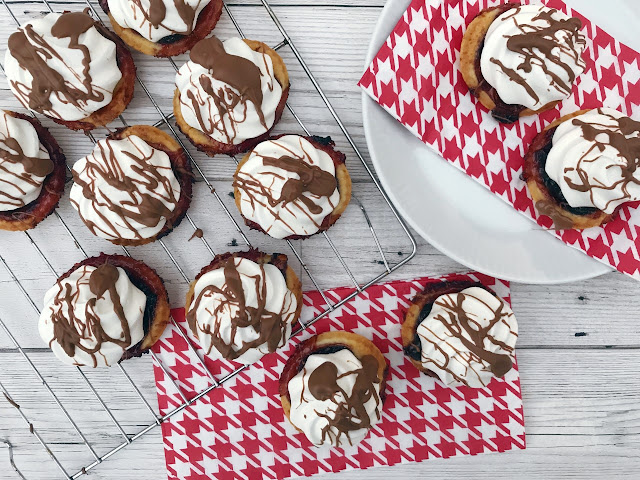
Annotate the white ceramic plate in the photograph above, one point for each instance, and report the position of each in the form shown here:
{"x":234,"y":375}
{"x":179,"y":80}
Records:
{"x":459,"y":216}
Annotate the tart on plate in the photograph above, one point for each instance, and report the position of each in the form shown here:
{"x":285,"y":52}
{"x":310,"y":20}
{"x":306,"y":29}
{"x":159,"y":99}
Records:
{"x":521,"y":60}
{"x":230,"y":94}
{"x":332,"y":388}
{"x":71,"y":69}
{"x":32,"y":172}
{"x":134,"y":187}
{"x":583,"y":168}
{"x":162,"y":28}
{"x":292,"y":187}
{"x":103,"y":310}
{"x":461,"y":333}
{"x":244,"y":305}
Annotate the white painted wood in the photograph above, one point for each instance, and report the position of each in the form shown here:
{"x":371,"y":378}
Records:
{"x":581,"y":398}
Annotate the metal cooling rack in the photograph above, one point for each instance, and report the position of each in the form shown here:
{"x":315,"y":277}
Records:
{"x":165,"y":121}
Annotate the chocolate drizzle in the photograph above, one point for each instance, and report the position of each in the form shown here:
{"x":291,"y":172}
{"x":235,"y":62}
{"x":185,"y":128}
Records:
{"x":74,"y":333}
{"x":536,"y":45}
{"x":148,"y":192}
{"x":33,"y":52}
{"x":460,"y":325}
{"x":624,"y":137}
{"x":243,"y":84}
{"x":311,"y":183}
{"x":270,"y":327}
{"x":11,"y":153}
{"x":350,"y":413}
{"x":157,"y":12}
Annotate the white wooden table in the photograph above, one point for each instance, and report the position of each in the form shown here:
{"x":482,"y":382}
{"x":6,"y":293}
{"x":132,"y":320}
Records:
{"x":579,"y":348}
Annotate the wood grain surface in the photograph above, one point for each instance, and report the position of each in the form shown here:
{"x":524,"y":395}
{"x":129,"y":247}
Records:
{"x":579,"y":347}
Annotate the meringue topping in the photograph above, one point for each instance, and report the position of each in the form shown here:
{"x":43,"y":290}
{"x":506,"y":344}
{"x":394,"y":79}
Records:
{"x":157,"y":19}
{"x":468,"y":338}
{"x":532,"y":55}
{"x":287,"y":186}
{"x":24,"y":163}
{"x":54,"y":68}
{"x":228,"y":91}
{"x":595,"y":159}
{"x":125,"y":189}
{"x":92,"y":316}
{"x":242,"y":310}
{"x":335,"y":398}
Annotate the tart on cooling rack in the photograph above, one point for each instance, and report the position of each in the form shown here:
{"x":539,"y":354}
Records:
{"x":134,"y":187}
{"x":521,"y":60}
{"x":243,"y":305}
{"x":332,"y":388}
{"x":292,"y":187}
{"x":461,"y":333}
{"x":32,"y":172}
{"x":162,"y":28}
{"x":584,"y":167}
{"x":103,"y":310}
{"x":230,"y":94}
{"x":70,"y":68}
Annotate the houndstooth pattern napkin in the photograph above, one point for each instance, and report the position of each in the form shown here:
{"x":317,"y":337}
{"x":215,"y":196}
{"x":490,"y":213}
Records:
{"x":415,"y":76}
{"x":239,"y":431}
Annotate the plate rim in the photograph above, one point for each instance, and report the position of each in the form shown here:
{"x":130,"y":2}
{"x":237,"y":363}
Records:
{"x":367,"y":104}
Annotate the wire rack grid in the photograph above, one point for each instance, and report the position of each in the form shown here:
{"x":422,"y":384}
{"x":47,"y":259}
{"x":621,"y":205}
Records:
{"x":165,"y":122}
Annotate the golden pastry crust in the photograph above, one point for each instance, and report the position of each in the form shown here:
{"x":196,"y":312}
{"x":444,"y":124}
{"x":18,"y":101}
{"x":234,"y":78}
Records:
{"x":538,"y":182}
{"x":470,"y":53}
{"x":278,"y":260}
{"x":342,"y":176}
{"x":122,"y":94}
{"x":357,"y":344}
{"x":157,"y":310}
{"x":211,"y":147}
{"x":181,"y":169}
{"x":207,"y":20}
{"x":410,"y":341}
{"x":30,"y":215}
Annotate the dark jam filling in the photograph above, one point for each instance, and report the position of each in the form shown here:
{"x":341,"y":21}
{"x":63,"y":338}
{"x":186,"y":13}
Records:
{"x":149,"y":314}
{"x":170,"y":39}
{"x":552,"y":187}
{"x":414,"y":349}
{"x":321,"y":351}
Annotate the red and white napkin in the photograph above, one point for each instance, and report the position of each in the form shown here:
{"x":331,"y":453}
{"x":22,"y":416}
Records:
{"x":239,"y":431}
{"x":416,"y":77}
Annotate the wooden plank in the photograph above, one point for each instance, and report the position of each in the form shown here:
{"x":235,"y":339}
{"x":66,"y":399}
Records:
{"x":581,"y":409}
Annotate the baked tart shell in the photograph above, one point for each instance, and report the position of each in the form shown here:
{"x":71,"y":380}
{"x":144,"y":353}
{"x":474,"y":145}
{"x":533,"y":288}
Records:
{"x":27,"y":217}
{"x":409,"y":331}
{"x":157,"y":310}
{"x":538,"y":183}
{"x":207,"y":20}
{"x":357,"y":344}
{"x":181,"y":169}
{"x":211,"y":147}
{"x":342,"y":176}
{"x":470,"y":54}
{"x":280,"y":261}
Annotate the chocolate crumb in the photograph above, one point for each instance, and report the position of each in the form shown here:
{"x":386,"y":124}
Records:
{"x":31,"y":428}
{"x":213,"y":190}
{"x":581,"y":334}
{"x":10,"y":400}
{"x":582,"y":298}
{"x":198,"y":233}
{"x":232,"y":195}
{"x":232,"y":243}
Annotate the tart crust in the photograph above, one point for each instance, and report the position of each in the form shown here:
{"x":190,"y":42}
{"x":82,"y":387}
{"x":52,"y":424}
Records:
{"x":181,"y":169}
{"x":357,"y":344}
{"x":342,"y":176}
{"x":27,"y":217}
{"x":157,"y":309}
{"x":278,"y":260}
{"x":122,"y":94}
{"x":552,"y":203}
{"x":409,"y":331}
{"x":207,"y":20}
{"x":211,"y":147}
{"x":470,"y":54}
